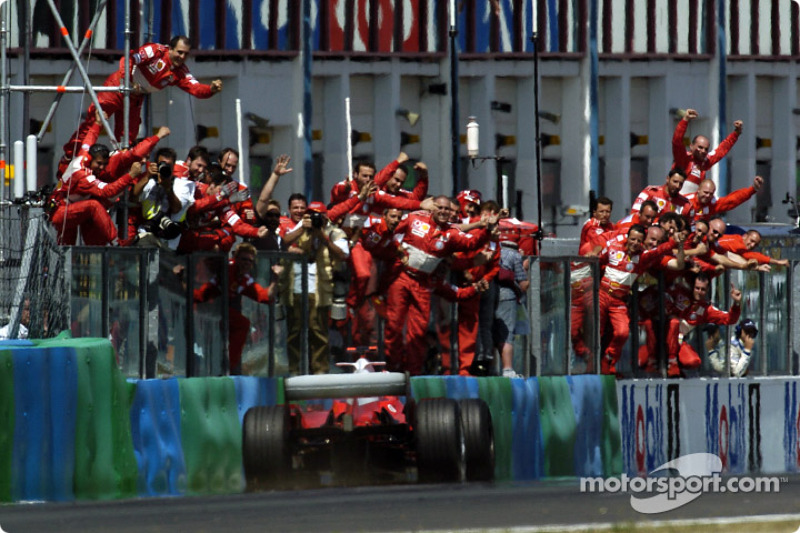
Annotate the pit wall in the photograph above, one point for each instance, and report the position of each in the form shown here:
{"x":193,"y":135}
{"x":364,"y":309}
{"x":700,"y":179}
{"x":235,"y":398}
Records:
{"x":751,"y":424}
{"x":72,"y":427}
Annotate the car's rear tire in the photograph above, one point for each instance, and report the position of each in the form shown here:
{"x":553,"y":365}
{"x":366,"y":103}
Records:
{"x":476,"y":421}
{"x":439,"y":440}
{"x":265,"y":446}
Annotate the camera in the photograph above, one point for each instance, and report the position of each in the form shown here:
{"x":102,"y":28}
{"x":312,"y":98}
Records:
{"x":163,"y":227}
{"x":164,"y":170}
{"x":316,"y":220}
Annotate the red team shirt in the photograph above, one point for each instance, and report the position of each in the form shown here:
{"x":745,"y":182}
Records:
{"x":696,"y":172}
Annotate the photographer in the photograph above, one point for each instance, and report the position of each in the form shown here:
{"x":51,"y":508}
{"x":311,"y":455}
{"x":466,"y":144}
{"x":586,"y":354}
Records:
{"x":156,"y":202}
{"x":324,"y":248}
{"x":742,"y":343}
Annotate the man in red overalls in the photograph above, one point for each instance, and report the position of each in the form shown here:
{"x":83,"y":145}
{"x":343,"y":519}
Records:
{"x":152,"y":68}
{"x":697,"y":160}
{"x":425,"y":239}
{"x":77,"y":201}
{"x":623,"y":262}
{"x":686,"y":312}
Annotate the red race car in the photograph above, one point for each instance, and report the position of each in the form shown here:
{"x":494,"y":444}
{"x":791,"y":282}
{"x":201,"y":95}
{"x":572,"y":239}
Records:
{"x":364,"y":432}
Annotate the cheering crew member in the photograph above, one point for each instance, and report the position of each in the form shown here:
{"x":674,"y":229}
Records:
{"x":599,"y":223}
{"x":744,"y":245}
{"x":645,"y":217}
{"x":152,"y":68}
{"x":394,"y":185}
{"x":686,"y":312}
{"x":374,"y":202}
{"x":425,"y":239}
{"x":707,"y":206}
{"x":624,"y":262}
{"x":215,"y":226}
{"x":469,"y":202}
{"x":76,"y":201}
{"x":697,"y":160}
{"x":667,"y":197}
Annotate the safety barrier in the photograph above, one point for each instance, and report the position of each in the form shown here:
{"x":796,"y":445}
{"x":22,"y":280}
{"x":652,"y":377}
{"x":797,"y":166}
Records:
{"x":751,"y":425}
{"x":74,"y":428}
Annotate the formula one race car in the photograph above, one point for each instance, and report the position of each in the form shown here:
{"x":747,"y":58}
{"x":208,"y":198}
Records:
{"x":362,"y":432}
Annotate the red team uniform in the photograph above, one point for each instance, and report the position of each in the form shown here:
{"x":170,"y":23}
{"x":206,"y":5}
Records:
{"x":425,"y":244}
{"x":80,"y":200}
{"x":665,"y":203}
{"x":685,"y":314}
{"x":621,"y":271}
{"x":151,"y":71}
{"x":682,"y":158}
{"x":719,"y":206}
{"x":735,"y":243}
{"x":238,"y":286}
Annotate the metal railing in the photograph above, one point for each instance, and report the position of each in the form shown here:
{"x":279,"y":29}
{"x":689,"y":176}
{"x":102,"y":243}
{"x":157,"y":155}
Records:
{"x":135,"y":297}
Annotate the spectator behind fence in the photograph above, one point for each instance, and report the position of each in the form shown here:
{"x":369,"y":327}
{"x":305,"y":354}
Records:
{"x":24,"y":323}
{"x":741,"y":350}
{"x":512,"y":281}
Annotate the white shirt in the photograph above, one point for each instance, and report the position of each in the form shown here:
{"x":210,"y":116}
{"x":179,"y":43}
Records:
{"x":21,"y":334}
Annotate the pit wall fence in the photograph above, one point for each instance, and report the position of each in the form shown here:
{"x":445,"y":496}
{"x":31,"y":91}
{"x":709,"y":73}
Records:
{"x":73,"y":427}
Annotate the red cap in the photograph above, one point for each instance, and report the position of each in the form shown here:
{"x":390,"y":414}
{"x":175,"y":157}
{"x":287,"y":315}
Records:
{"x":472,"y":196}
{"x":468,"y":197}
{"x":318,"y":207}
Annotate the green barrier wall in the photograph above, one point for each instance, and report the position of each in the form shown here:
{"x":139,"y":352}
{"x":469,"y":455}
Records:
{"x":558,"y":426}
{"x":6,"y":422}
{"x":211,"y":435}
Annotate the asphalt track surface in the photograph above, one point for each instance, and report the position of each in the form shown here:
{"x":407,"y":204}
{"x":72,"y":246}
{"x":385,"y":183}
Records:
{"x":457,"y":507}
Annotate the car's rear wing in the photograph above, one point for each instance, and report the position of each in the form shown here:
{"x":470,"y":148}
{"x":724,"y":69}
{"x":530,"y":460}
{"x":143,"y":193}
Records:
{"x":345,"y":385}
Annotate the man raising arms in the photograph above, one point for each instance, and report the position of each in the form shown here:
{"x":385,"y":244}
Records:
{"x":697,"y":160}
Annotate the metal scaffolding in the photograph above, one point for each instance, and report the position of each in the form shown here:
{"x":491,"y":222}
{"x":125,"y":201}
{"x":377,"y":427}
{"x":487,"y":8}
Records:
{"x":59,"y":90}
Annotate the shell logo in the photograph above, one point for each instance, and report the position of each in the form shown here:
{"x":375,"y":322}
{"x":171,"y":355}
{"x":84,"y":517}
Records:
{"x":422,"y":226}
